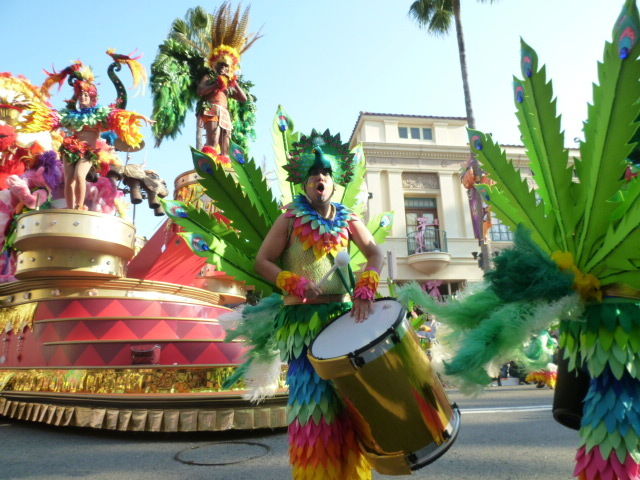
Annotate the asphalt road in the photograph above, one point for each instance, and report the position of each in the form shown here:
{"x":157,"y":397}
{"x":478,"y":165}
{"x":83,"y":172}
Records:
{"x":507,"y":433}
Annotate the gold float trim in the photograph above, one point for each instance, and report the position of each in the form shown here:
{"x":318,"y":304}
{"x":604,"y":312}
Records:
{"x":210,"y":418}
{"x":56,"y":288}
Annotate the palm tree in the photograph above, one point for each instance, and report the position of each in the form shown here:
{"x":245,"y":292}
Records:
{"x":436,"y":16}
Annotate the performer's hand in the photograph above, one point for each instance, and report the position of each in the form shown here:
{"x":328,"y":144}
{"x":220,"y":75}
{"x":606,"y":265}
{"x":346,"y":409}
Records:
{"x":312,"y":290}
{"x":361,"y":309}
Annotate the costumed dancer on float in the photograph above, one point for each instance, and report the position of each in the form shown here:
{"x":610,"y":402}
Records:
{"x":189,"y":71}
{"x":575,"y":255}
{"x":215,"y":88}
{"x":304,"y":241}
{"x":84,"y":120}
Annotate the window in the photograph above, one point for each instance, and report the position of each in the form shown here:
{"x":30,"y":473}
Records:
{"x":423,"y":233}
{"x":415,"y":133}
{"x":499,"y":231}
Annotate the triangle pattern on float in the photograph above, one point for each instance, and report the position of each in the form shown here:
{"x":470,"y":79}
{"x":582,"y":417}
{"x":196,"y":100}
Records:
{"x":88,"y":356}
{"x":79,"y":332}
{"x":233,"y":352}
{"x":63,"y":329}
{"x":73,"y":352}
{"x":46,"y":332}
{"x":200,"y":331}
{"x":176,"y":310}
{"x":141,"y":327}
{"x":48,"y":352}
{"x":95,"y":306}
{"x":137,"y":307}
{"x":100,"y":327}
{"x":74,"y":308}
{"x":162,"y":331}
{"x":49,"y":309}
{"x":120,"y":331}
{"x":109,"y":351}
{"x":192,"y":350}
{"x":172,"y":355}
{"x":211,"y":354}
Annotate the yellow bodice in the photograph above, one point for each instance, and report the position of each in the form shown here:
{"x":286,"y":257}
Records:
{"x":303,"y":262}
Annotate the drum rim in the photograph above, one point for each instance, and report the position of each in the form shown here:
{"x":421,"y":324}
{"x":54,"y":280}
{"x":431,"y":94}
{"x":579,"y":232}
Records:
{"x":456,"y":420}
{"x":371,"y":344}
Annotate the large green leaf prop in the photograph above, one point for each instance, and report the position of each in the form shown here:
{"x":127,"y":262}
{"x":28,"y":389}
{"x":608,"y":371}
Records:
{"x":595,"y":216}
{"x":511,"y":198}
{"x":540,"y":128}
{"x":610,"y":127}
{"x":350,"y":195}
{"x":254,"y":185}
{"x":284,"y":136}
{"x":380,"y":227}
{"x":219,"y":244}
{"x":231,"y":199}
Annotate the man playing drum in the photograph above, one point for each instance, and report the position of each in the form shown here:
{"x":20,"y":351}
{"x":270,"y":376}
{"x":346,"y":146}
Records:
{"x":304,"y":241}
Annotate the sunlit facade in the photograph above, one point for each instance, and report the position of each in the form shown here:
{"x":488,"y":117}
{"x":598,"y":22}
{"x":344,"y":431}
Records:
{"x":414,"y":167}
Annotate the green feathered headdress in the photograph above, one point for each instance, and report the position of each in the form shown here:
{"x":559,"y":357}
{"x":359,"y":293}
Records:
{"x":320,"y":150}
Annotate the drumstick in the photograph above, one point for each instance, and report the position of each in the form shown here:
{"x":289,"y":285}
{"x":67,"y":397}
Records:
{"x":342,"y":260}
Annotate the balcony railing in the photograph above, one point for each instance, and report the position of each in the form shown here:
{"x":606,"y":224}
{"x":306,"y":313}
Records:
{"x":429,"y":239}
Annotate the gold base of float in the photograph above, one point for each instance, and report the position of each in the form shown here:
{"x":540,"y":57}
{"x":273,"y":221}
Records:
{"x":136,"y":399}
{"x":159,"y":414}
{"x":38,"y":289}
{"x":65,"y":242}
{"x":68,"y":262}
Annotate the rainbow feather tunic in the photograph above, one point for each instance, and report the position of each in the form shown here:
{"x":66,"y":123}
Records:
{"x":322,"y":440}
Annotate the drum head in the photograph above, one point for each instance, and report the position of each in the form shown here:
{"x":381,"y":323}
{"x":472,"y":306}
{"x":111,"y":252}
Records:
{"x":344,"y":335}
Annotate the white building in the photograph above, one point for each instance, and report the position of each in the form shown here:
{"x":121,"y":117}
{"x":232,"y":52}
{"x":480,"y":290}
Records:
{"x":414,"y":167}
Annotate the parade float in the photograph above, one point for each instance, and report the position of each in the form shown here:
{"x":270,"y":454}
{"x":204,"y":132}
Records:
{"x":99,"y":333}
{"x":93,"y":332}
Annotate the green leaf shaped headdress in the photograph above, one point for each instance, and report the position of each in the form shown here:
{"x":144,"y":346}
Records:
{"x":320,"y":150}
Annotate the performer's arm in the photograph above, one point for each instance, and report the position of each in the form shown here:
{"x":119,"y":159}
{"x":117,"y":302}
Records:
{"x":238,"y":93}
{"x":207,"y":86}
{"x":367,"y":245}
{"x":271,"y":250}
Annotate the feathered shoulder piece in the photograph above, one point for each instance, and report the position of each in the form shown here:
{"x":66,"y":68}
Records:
{"x":323,"y":150}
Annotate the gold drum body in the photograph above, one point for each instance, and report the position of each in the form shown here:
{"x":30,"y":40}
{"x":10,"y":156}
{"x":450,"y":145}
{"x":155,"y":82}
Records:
{"x":395,"y":399}
{"x":66,"y":242}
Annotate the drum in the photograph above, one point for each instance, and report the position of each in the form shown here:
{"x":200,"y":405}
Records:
{"x":571,"y":390}
{"x":401,"y":412}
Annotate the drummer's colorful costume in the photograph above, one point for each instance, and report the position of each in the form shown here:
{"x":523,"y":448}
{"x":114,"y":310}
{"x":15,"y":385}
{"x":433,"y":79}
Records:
{"x":322,"y":443}
{"x":575,"y":258}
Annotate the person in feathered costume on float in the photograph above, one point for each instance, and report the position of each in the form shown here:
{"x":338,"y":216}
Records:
{"x":297,"y":252}
{"x":85,"y":120}
{"x":214,"y":90}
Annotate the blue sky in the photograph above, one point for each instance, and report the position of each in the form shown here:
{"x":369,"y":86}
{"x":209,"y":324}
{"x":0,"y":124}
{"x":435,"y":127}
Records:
{"x":327,"y":61}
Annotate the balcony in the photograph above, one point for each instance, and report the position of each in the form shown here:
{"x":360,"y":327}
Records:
{"x":427,"y":250}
